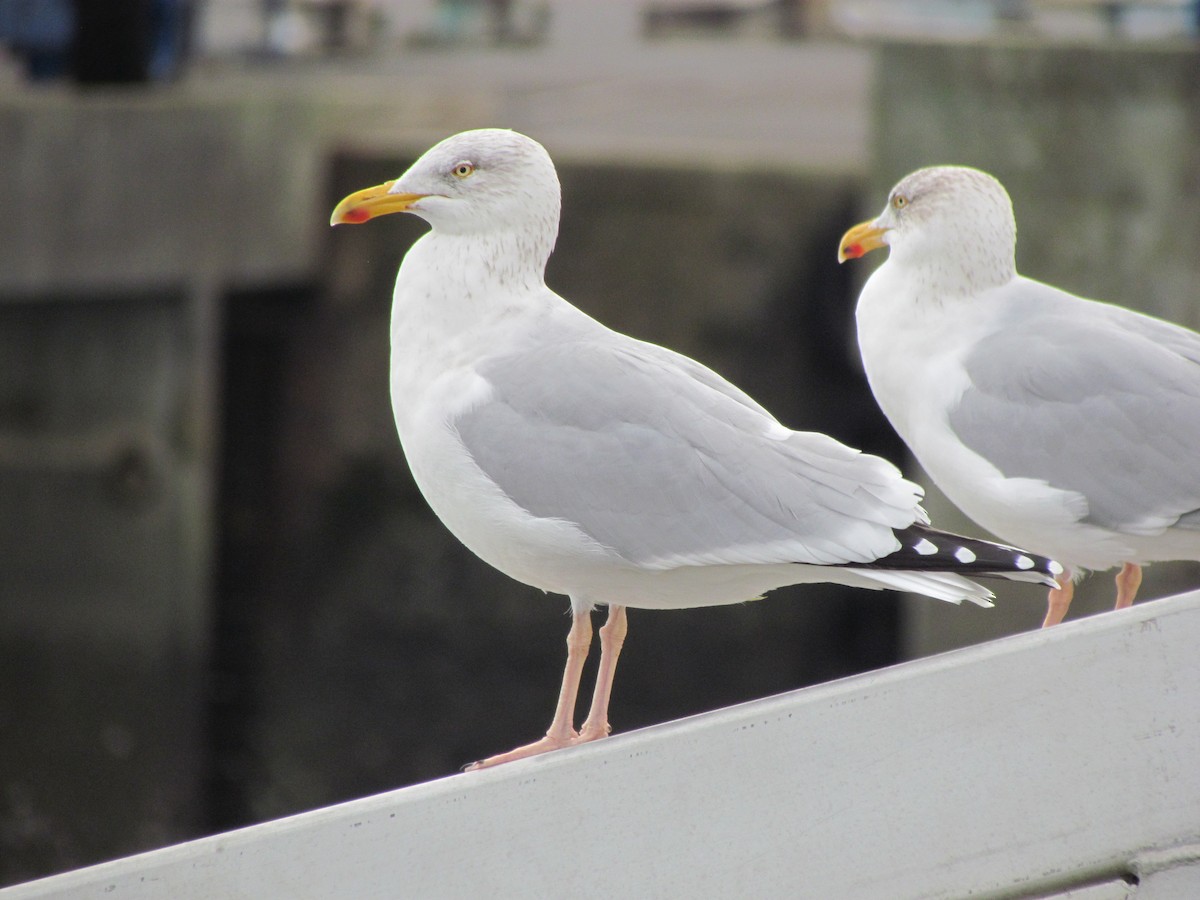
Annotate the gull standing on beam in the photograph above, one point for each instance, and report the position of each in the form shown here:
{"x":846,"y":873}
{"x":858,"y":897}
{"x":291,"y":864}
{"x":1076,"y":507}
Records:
{"x":1061,"y":424}
{"x":586,"y":463}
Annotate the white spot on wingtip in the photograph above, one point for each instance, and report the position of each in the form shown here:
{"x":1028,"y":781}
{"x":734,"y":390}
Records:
{"x":925,"y":547}
{"x":963,"y":555}
{"x":1024,"y":562}
{"x":1056,"y":568}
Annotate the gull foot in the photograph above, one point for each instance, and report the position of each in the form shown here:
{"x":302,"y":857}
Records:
{"x":545,"y":745}
{"x":592,"y":732}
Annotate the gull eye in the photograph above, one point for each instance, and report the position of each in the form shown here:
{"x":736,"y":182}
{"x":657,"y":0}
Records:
{"x":463,"y":169}
{"x":899,"y":201}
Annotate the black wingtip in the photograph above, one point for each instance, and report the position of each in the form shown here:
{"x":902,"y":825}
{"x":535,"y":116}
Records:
{"x":925,"y":549}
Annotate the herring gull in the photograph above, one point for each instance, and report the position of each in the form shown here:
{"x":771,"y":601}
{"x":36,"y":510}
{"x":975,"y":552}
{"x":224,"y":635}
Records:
{"x":1065,"y":425}
{"x":614,"y":471}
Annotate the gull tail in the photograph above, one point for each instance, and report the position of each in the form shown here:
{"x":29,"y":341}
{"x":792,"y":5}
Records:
{"x":938,"y":585}
{"x":926,"y":551}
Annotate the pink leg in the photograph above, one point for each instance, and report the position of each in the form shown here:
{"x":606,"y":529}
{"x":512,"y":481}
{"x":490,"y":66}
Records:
{"x":612,"y":638}
{"x":1059,"y":600}
{"x":562,"y":730}
{"x":1129,"y":579}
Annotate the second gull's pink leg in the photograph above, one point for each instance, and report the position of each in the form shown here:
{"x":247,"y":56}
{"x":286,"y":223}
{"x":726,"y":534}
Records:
{"x":1129,"y":579}
{"x":1059,"y":600}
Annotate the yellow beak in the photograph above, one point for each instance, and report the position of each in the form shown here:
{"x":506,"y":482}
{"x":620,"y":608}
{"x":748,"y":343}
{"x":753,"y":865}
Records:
{"x":371,"y":202}
{"x":860,"y":240}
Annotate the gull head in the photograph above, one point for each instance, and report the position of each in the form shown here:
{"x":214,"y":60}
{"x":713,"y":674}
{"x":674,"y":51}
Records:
{"x":477,"y":182}
{"x":954,"y":222}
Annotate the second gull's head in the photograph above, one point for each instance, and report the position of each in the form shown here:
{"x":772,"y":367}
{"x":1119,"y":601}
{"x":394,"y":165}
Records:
{"x":953,"y":222}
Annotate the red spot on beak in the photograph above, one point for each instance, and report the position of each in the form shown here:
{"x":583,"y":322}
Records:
{"x":854,"y":251}
{"x":357,"y":215}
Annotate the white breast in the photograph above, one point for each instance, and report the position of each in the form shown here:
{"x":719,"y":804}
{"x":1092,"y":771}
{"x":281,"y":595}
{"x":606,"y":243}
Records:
{"x":913,"y":361}
{"x":436,"y":351}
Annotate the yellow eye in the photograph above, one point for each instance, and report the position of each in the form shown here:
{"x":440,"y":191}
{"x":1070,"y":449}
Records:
{"x":899,"y":201}
{"x":463,"y":169}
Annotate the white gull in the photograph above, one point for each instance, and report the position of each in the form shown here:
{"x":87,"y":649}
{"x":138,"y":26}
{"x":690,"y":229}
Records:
{"x":1062,"y":424}
{"x":586,"y":463}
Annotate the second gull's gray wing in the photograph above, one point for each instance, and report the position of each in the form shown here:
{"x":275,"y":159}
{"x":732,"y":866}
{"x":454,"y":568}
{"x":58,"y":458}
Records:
{"x":1114,"y":415}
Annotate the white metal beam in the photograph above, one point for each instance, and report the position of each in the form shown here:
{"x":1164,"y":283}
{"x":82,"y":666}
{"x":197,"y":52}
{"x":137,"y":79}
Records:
{"x":1064,"y":762}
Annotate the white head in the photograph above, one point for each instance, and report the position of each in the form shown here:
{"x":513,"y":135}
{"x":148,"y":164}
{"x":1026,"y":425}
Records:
{"x":487,"y":182}
{"x":953,"y":222}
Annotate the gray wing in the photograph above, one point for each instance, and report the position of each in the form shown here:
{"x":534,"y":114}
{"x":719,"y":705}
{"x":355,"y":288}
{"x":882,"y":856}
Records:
{"x":1091,"y":398}
{"x":669,"y":464}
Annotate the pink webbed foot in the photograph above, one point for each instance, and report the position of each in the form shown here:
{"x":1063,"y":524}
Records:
{"x":545,"y":745}
{"x":562,"y":733}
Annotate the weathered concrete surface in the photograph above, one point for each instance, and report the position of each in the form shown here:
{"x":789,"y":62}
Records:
{"x":596,"y":90}
{"x":126,"y":217}
{"x":116,"y":190}
{"x":1099,"y":147}
{"x":105,"y":472}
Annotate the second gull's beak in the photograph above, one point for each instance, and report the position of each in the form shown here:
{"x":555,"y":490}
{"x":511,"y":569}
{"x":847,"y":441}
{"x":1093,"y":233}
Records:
{"x":860,"y":240}
{"x":371,"y":202}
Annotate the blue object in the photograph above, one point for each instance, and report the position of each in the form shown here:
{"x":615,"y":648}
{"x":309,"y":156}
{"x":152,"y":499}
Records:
{"x":40,"y":32}
{"x":169,"y":27}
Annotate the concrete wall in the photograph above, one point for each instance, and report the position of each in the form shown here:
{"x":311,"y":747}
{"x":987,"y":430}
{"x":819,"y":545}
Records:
{"x":124,"y":220}
{"x":1099,"y":147}
{"x":112,"y":190}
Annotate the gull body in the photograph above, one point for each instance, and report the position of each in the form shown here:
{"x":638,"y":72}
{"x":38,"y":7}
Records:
{"x":587,"y":463}
{"x":1062,"y":424}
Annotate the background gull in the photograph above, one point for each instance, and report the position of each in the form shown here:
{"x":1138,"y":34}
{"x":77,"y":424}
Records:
{"x":586,"y":463}
{"x":1062,"y":424}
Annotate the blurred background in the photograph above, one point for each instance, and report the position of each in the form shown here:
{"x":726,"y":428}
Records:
{"x":222,"y":599}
